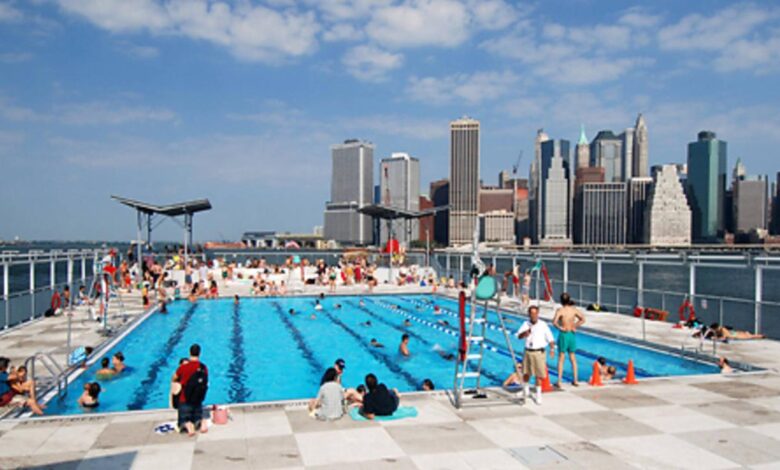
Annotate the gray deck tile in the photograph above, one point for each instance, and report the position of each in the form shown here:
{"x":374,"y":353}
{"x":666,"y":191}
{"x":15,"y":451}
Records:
{"x":663,"y":451}
{"x":486,"y":459}
{"x":347,"y":446}
{"x":739,"y":389}
{"x":738,"y":412}
{"x":594,"y":425}
{"x":523,"y":431}
{"x":300,"y":421}
{"x":383,"y":464}
{"x":585,"y":454}
{"x":742,"y":446}
{"x":674,"y":418}
{"x":273,"y":452}
{"x":446,"y":437}
{"x":226,"y":453}
{"x":620,"y":397}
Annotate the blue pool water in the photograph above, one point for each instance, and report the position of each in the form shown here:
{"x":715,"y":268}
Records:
{"x":257,"y":351}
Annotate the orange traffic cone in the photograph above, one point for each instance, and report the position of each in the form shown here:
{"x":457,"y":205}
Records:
{"x":595,"y":377}
{"x":630,"y":377}
{"x":546,"y":385}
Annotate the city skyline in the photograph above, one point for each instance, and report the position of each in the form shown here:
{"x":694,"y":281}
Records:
{"x":175,"y":101}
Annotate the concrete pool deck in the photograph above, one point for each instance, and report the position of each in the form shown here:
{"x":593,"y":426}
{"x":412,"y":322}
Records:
{"x":706,"y":421}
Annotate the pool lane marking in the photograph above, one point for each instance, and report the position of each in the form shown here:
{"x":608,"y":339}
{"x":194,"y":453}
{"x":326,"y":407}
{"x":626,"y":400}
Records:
{"x":489,"y":344}
{"x":416,"y":336}
{"x":300,"y":341}
{"x":621,"y":365}
{"x":142,"y":392}
{"x":238,"y":392}
{"x":410,"y":379}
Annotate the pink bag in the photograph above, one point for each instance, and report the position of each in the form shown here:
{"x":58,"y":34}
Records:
{"x":219,"y":415}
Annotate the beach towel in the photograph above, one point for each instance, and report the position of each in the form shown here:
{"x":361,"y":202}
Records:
{"x":165,"y":428}
{"x":401,"y":413}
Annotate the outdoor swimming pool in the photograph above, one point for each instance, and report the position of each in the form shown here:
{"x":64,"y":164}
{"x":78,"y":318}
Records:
{"x":257,"y":351}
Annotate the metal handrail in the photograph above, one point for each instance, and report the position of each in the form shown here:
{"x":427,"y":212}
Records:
{"x":58,"y":374}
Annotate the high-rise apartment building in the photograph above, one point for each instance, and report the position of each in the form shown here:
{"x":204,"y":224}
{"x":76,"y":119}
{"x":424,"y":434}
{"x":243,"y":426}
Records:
{"x":640,"y":154}
{"x":638,"y":193}
{"x":668,"y":216}
{"x":399,"y":187}
{"x":497,"y":227}
{"x":601,"y":214}
{"x":352,"y":187}
{"x":750,"y":204}
{"x":707,"y":186}
{"x":555,"y":191}
{"x":627,"y":154}
{"x":606,"y":151}
{"x":464,"y":180}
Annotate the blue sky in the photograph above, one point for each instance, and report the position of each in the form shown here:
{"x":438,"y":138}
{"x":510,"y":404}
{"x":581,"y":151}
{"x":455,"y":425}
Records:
{"x":168,"y":100}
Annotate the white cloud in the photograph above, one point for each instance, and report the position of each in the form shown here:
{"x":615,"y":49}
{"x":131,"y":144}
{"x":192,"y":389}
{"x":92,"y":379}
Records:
{"x":139,"y":52}
{"x":471,"y":88}
{"x":639,"y":18}
{"x":94,"y":113}
{"x":342,"y":32}
{"x":340,"y":10}
{"x":760,"y":55}
{"x":15,"y":57}
{"x":420,"y":23}
{"x":250,"y":32}
{"x":712,"y":33}
{"x":493,"y":14}
{"x":399,"y":126}
{"x":370,"y":63}
{"x":8,"y":13}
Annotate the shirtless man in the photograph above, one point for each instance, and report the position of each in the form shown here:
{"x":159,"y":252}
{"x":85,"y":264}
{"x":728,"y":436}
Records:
{"x":567,"y":319}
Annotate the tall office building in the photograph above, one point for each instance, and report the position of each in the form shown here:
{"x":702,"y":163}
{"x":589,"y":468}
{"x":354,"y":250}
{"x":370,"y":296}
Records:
{"x":426,"y":223}
{"x":534,"y":186}
{"x":601,"y":214}
{"x":750,"y":205}
{"x":606,"y":151}
{"x":399,"y":186}
{"x":440,"y":196}
{"x":583,"y":150}
{"x":464,"y":180}
{"x":497,"y":227}
{"x":776,"y":206}
{"x":627,"y":154}
{"x":351,"y":187}
{"x":707,"y":186}
{"x":638,"y":193}
{"x":640,"y":154}
{"x":555,"y":191}
{"x":668,"y":216}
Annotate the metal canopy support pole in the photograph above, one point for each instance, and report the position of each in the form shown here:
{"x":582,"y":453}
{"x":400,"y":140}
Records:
{"x":566,"y":274}
{"x":598,"y":281}
{"x":52,"y":271}
{"x":83,"y":268}
{"x":187,"y":235}
{"x":6,"y":292}
{"x":139,"y":251}
{"x":32,"y":289}
{"x":390,"y":245}
{"x":149,"y":229}
{"x":70,"y":282}
{"x":448,"y":264}
{"x":692,"y":282}
{"x":640,"y":285}
{"x":759,"y":295}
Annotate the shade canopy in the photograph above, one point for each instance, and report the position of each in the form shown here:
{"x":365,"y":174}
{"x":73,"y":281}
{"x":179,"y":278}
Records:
{"x":170,"y":210}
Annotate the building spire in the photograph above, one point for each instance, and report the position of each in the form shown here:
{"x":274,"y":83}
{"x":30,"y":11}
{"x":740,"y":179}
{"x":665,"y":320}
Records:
{"x":583,"y":139}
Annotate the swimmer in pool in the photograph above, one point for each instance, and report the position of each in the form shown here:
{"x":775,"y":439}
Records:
{"x":376,"y":344}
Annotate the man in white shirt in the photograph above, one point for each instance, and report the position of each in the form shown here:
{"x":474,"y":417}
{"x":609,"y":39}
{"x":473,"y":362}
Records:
{"x":537,"y":337}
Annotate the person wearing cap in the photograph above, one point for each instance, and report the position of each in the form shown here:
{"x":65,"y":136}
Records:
{"x":339,"y":365}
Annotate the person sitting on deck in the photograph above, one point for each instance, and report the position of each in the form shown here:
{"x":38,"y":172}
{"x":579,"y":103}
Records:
{"x":89,"y":399}
{"x":329,"y":404}
{"x":515,"y":379}
{"x":725,"y":367}
{"x":83,"y":297}
{"x":213,"y":290}
{"x":25,"y":387}
{"x":606,"y":372}
{"x":105,"y":372}
{"x":379,"y":401}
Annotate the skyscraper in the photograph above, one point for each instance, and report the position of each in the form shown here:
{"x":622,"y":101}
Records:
{"x":668,"y":216}
{"x":555,"y":190}
{"x":352,"y":187}
{"x":601,"y":214}
{"x":440,"y":196}
{"x":464,"y":179}
{"x":534,"y":187}
{"x":583,"y":150}
{"x":638,"y":194}
{"x":640,"y":154}
{"x":606,"y":151}
{"x":707,"y":186}
{"x":399,"y":183}
{"x":750,"y":205}
{"x":627,"y":154}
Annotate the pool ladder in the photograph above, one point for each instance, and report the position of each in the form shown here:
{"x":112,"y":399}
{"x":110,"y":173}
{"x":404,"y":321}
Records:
{"x":58,"y":377}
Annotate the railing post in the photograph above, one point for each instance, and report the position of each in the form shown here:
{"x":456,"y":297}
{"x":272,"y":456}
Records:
{"x":70,"y":282}
{"x":6,"y":293}
{"x":83,"y":269}
{"x":32,"y":288}
{"x":566,"y":274}
{"x":640,"y":285}
{"x":598,"y":281}
{"x":580,"y":287}
{"x":52,"y":271}
{"x":759,"y":298}
{"x":617,"y":300}
{"x":692,"y":283}
{"x":461,"y":267}
{"x":448,"y":265}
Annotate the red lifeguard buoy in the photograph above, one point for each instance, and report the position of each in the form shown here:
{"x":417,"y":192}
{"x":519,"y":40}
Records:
{"x":686,"y":306}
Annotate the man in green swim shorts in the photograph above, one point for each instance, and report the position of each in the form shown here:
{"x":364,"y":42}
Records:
{"x":567,"y":319}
